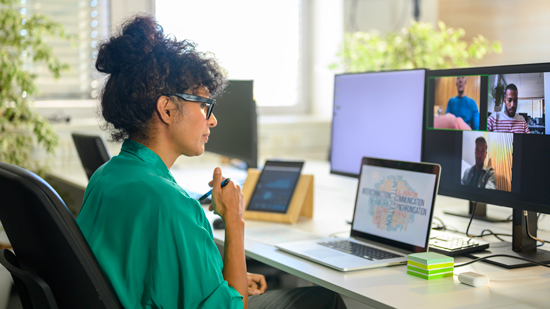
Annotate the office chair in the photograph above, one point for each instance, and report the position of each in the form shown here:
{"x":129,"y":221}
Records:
{"x":53,"y":265}
{"x":92,"y":151}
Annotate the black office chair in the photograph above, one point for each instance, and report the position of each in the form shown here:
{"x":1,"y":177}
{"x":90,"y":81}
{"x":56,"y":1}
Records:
{"x":53,"y":265}
{"x":92,"y":151}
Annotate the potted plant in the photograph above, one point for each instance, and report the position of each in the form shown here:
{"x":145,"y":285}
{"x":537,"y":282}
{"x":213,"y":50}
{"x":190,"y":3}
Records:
{"x":497,"y":93}
{"x":418,"y":46}
{"x":23,"y":42}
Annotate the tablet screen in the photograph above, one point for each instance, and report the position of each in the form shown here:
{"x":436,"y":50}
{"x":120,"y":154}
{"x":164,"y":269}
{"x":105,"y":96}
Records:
{"x":275,"y":186}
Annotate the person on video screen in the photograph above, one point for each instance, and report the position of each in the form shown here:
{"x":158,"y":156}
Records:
{"x":479,"y":175}
{"x":450,"y":121}
{"x":462,"y":106}
{"x":508,"y":120}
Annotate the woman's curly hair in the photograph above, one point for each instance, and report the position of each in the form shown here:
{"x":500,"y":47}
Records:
{"x":144,"y":64}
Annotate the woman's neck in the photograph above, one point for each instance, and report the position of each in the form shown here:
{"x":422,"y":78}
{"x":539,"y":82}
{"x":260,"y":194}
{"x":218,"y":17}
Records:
{"x":158,"y":146}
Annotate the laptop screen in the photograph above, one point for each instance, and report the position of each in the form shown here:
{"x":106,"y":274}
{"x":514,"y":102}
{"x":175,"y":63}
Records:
{"x":395,"y":201}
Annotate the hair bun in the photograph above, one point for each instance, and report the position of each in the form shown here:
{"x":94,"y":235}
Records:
{"x":139,"y":36}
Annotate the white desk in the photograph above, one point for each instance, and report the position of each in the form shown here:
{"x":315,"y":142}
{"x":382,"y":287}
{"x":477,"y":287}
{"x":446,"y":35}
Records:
{"x":389,"y":286}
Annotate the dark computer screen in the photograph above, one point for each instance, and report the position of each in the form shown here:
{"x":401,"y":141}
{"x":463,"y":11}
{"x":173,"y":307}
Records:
{"x":463,"y":110}
{"x":489,"y":151}
{"x":376,"y":114}
{"x":92,"y":150}
{"x":236,"y":134}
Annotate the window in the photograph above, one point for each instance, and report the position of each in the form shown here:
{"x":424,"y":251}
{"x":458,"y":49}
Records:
{"x":88,"y":20}
{"x":259,"y":40}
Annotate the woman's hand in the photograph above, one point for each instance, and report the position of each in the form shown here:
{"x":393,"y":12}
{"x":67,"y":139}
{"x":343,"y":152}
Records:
{"x":256,"y":284}
{"x":228,"y":202}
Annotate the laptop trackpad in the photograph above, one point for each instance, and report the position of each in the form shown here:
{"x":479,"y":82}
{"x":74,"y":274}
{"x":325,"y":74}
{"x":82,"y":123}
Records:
{"x":323,"y":253}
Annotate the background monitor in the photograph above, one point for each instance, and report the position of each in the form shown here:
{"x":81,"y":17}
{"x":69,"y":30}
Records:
{"x":92,"y":150}
{"x":236,"y":134}
{"x":516,"y":160}
{"x":376,"y":114}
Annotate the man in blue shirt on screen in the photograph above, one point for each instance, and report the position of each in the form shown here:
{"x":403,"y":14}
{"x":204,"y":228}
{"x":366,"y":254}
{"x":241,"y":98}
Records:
{"x":462,"y":106}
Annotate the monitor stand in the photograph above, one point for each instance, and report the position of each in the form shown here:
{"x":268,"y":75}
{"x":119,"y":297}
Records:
{"x":522,"y":245}
{"x":480,"y":213}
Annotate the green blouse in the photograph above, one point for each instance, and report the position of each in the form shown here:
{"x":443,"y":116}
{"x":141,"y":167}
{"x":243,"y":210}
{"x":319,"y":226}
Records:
{"x":151,"y":239}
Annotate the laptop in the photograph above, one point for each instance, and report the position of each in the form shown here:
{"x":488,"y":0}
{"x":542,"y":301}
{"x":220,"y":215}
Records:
{"x":392,"y":218}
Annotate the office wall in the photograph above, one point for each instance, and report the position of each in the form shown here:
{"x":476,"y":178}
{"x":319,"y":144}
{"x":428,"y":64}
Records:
{"x":121,"y":9}
{"x":386,"y":15}
{"x":523,"y":27}
{"x":328,"y":31}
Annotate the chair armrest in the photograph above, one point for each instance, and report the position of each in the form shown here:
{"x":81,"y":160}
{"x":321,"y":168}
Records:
{"x":31,"y":288}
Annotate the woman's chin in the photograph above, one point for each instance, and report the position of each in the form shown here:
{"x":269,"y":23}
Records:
{"x":194,"y":152}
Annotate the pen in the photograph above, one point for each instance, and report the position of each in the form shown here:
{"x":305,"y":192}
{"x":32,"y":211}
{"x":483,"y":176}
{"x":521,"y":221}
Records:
{"x":207,"y":194}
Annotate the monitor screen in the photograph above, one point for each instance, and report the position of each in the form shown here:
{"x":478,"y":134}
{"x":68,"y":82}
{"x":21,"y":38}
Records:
{"x":236,"y":134}
{"x":376,"y":114}
{"x":485,"y":127}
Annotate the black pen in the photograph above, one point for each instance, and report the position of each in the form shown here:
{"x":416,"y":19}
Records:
{"x":207,"y":194}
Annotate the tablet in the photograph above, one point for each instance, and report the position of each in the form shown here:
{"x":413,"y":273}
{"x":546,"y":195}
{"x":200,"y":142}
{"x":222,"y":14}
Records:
{"x":275,"y":186}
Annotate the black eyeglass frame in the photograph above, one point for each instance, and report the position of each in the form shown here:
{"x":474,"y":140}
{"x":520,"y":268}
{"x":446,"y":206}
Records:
{"x":195,"y":98}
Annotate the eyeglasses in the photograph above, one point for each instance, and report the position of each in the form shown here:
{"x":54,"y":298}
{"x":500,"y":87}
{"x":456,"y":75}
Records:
{"x":195,"y":98}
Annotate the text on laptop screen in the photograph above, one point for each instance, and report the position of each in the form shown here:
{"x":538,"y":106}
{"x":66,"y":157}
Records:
{"x":394,"y":204}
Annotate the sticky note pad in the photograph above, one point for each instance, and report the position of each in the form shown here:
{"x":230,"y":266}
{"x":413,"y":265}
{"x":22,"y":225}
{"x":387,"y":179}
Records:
{"x":430,"y":258}
{"x":430,"y":277}
{"x":429,"y":265}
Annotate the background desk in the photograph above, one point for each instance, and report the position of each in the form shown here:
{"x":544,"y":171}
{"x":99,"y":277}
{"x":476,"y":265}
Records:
{"x":388,"y":286}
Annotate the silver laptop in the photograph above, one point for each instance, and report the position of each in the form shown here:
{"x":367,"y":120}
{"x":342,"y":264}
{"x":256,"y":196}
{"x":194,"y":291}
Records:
{"x":392,"y":218}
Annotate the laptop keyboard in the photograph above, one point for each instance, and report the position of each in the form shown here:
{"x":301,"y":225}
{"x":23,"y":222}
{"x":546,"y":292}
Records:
{"x":454,"y":245}
{"x":360,"y":250}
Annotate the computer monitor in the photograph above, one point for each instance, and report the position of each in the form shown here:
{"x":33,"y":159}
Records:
{"x":92,"y":150}
{"x":236,"y":134}
{"x":376,"y":114}
{"x":498,"y":159}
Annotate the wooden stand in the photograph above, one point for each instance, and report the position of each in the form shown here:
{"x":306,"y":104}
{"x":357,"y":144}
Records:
{"x":301,"y":203}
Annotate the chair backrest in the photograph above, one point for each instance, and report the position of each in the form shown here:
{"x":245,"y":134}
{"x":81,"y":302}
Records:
{"x":92,"y":151}
{"x":48,"y":242}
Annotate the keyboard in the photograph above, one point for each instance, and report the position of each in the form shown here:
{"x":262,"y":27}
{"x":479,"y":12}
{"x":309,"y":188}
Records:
{"x":359,"y":250}
{"x":453,"y":244}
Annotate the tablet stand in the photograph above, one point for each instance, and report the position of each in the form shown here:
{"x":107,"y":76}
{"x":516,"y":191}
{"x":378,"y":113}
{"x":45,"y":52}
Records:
{"x":301,"y":203}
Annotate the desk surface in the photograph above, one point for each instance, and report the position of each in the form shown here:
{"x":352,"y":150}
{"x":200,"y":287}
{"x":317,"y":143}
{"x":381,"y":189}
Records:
{"x":391,"y":286}
{"x":388,"y":286}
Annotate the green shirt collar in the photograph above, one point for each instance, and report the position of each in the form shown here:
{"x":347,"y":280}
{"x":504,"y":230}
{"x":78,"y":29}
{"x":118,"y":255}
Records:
{"x":135,"y":149}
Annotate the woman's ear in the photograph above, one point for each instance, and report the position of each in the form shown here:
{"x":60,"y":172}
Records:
{"x":165,"y":109}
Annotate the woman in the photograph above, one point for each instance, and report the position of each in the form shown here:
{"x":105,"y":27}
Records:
{"x":151,"y":239}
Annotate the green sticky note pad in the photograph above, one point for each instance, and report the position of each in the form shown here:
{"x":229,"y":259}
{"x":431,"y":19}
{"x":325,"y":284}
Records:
{"x":428,"y":258}
{"x":430,"y":272}
{"x":431,"y":266}
{"x":429,"y":277}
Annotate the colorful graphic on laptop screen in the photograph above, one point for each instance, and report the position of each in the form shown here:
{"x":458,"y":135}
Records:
{"x":394,"y":204}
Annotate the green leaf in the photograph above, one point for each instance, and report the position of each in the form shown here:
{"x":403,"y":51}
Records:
{"x":418,"y":46}
{"x":21,"y":127}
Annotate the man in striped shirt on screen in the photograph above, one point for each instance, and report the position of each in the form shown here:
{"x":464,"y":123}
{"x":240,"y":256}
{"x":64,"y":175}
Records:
{"x":508,"y":120}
